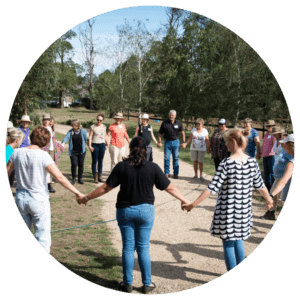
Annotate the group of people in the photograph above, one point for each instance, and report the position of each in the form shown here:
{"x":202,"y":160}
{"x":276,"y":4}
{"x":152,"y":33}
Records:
{"x":237,"y":174}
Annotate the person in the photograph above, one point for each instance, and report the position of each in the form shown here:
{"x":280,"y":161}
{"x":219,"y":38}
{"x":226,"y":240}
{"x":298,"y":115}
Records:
{"x":234,"y":180}
{"x":25,"y":121}
{"x":97,"y":146}
{"x":135,"y":208}
{"x":268,"y":154}
{"x":280,"y":165}
{"x":146,"y":131}
{"x":199,"y":139}
{"x":170,"y":128}
{"x":14,"y":138}
{"x":217,"y":146}
{"x":117,"y":131}
{"x":277,"y":132}
{"x":253,"y":148}
{"x":31,"y":165}
{"x":49,"y":148}
{"x":77,"y":137}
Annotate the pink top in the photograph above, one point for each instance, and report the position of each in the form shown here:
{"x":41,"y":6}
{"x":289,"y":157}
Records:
{"x":118,"y":132}
{"x":267,"y":146}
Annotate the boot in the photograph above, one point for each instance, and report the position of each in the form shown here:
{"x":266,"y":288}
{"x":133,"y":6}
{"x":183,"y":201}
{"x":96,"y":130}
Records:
{"x":80,"y":181}
{"x":50,"y":188}
{"x":269,"y":215}
{"x":100,"y":177}
{"x":95,"y":178}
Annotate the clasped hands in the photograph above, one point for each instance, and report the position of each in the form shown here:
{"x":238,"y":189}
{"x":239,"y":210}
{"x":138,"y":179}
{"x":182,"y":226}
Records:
{"x":187,"y":206}
{"x":80,"y":198}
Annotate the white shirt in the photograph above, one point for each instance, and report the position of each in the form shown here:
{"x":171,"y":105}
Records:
{"x":51,"y":147}
{"x":198,"y":141}
{"x":277,"y":148}
{"x":31,"y":175}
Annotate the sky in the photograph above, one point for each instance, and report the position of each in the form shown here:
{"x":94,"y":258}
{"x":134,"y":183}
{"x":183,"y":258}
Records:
{"x":106,"y":27}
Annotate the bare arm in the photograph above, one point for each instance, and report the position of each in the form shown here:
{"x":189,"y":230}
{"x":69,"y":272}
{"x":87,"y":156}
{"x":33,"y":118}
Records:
{"x":152,"y":136}
{"x":90,"y":140}
{"x":108,"y":136}
{"x":98,"y":192}
{"x":183,"y":136}
{"x":172,"y":190}
{"x":201,"y":198}
{"x":10,"y":167}
{"x":264,"y":192}
{"x":256,"y":140}
{"x":284,"y":180}
{"x":159,"y":140}
{"x":136,"y":132}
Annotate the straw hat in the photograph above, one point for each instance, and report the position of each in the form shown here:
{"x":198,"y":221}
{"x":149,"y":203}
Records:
{"x":46,"y":117}
{"x":270,"y":123}
{"x":248,"y":120}
{"x":145,"y":116}
{"x":118,"y":116}
{"x":277,"y":129}
{"x":25,"y":118}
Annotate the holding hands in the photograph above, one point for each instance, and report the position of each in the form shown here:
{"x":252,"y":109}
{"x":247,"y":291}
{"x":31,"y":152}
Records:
{"x":81,"y":199}
{"x":159,"y":144}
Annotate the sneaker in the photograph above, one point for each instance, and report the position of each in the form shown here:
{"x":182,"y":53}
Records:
{"x":269,"y":215}
{"x":149,"y":289}
{"x":124,"y":287}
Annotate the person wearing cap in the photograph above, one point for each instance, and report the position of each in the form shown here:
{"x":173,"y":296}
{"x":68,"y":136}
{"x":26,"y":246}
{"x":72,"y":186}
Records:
{"x":97,"y":146}
{"x":171,"y":128}
{"x":199,"y":139}
{"x":77,"y":137}
{"x":283,"y":169}
{"x":135,"y":208}
{"x":49,"y":148}
{"x":25,"y":121}
{"x":217,"y":145}
{"x":146,"y":131}
{"x":10,"y":125}
{"x":268,"y":154}
{"x":253,"y":148}
{"x":117,"y":131}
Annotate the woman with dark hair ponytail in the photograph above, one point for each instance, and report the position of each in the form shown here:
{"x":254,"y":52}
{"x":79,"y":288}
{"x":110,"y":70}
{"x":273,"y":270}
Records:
{"x":135,"y":208}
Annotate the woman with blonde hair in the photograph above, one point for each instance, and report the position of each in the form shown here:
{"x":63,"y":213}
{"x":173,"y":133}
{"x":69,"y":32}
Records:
{"x":235,"y":178}
{"x":77,"y":137}
{"x":14,"y":138}
{"x":199,"y":139}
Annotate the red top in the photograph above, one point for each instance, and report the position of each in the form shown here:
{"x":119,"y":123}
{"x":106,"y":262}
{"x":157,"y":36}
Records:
{"x":118,"y":132}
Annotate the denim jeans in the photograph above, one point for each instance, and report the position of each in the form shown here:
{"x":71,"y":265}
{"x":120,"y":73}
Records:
{"x":268,"y":171}
{"x":171,"y":147}
{"x":234,"y":253}
{"x":38,"y":214}
{"x":135,"y":223}
{"x":97,"y":155}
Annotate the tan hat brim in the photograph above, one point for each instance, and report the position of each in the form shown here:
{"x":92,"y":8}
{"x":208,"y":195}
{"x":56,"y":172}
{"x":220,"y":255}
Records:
{"x":24,"y":121}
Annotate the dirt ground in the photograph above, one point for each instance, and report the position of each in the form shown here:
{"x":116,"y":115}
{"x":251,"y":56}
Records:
{"x":183,"y":252}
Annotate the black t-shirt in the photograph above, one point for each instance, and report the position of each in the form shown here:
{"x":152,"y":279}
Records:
{"x":77,"y":143}
{"x":146,"y":134}
{"x":136,"y":183}
{"x":171,"y":131}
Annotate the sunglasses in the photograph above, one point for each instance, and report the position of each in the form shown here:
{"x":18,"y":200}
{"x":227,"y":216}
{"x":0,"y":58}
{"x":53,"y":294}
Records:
{"x":268,"y":125}
{"x":99,"y":120}
{"x":198,"y":123}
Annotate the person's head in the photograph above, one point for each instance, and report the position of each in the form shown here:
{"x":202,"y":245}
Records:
{"x":270,"y":124}
{"x":247,"y":123}
{"x":25,"y":121}
{"x":288,"y":144}
{"x":76,"y":125}
{"x":199,"y":123}
{"x":222,"y":124}
{"x":40,"y":137}
{"x":137,"y":154}
{"x":14,"y":137}
{"x":145,"y":119}
{"x":118,"y":117}
{"x":277,"y":131}
{"x":235,"y":139}
{"x":46,"y":120}
{"x":100,"y":119}
{"x":52,"y":121}
{"x":172,"y":115}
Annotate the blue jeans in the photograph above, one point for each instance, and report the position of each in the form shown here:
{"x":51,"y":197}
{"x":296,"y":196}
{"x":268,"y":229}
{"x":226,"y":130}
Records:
{"x":174,"y":148}
{"x":268,"y":171}
{"x":38,"y":214}
{"x":98,"y":155}
{"x":234,"y":253}
{"x":135,"y":223}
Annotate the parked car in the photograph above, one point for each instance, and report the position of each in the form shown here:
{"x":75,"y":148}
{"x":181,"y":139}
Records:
{"x":77,"y":102}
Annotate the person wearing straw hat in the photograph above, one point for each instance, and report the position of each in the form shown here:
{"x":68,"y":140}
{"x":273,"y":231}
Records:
{"x":25,"y":121}
{"x":277,"y":132}
{"x":117,"y":131}
{"x":268,"y":154}
{"x":253,"y":147}
{"x":146,"y":131}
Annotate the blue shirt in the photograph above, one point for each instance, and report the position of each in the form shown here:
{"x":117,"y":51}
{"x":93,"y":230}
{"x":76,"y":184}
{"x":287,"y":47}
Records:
{"x":26,"y":140}
{"x":251,"y":147}
{"x":68,"y":137}
{"x":287,"y":186}
{"x":9,"y":152}
{"x":281,"y":161}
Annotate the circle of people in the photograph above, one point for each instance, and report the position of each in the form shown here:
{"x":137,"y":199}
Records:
{"x":234,"y":152}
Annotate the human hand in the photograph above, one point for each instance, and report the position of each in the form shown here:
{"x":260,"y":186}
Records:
{"x":269,"y":204}
{"x":258,"y":156}
{"x":187,"y":207}
{"x":80,"y":198}
{"x":106,"y":147}
{"x":91,"y":149}
{"x":183,"y":145}
{"x":184,"y":203}
{"x":159,"y":145}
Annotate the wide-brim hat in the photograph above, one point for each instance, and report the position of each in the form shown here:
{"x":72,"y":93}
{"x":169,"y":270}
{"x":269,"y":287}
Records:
{"x":277,"y":129}
{"x":270,"y":123}
{"x":289,"y":138}
{"x":118,"y":116}
{"x":247,"y":120}
{"x":145,"y":116}
{"x":46,"y":117}
{"x":25,"y":118}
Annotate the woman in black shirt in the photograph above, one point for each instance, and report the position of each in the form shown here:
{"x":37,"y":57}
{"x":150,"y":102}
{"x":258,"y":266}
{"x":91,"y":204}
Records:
{"x":135,"y":210}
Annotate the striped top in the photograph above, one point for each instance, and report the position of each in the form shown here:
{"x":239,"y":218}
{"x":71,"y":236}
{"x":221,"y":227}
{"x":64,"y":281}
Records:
{"x":234,"y":182}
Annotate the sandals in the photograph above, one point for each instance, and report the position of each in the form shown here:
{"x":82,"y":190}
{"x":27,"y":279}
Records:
{"x":149,"y":289}
{"x":124,"y":287}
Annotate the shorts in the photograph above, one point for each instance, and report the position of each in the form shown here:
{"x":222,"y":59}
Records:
{"x":198,"y":155}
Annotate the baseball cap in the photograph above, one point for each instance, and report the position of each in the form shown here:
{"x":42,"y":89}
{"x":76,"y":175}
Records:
{"x":222,"y":121}
{"x":289,"y":138}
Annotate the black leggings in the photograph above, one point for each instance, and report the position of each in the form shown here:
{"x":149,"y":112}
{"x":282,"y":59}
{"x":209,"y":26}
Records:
{"x":77,"y":160}
{"x":217,"y":162}
{"x":12,"y":178}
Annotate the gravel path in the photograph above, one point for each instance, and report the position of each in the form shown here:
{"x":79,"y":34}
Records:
{"x":183,"y":252}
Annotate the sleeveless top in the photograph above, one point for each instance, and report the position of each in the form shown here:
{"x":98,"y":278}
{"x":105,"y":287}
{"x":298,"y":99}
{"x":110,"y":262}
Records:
{"x":146,"y":134}
{"x":99,"y":134}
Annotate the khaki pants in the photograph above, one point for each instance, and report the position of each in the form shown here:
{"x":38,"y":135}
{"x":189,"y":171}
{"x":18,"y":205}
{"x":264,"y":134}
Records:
{"x":49,"y":177}
{"x":277,"y":197}
{"x":116,"y":155}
